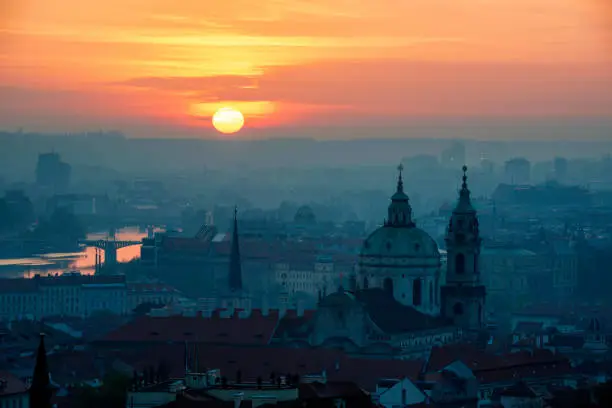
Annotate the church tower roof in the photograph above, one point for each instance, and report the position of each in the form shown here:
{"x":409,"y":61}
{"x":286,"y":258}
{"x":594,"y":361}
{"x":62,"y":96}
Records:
{"x":464,"y":205}
{"x":235,"y":264}
{"x":400,"y":211}
{"x":40,"y":390}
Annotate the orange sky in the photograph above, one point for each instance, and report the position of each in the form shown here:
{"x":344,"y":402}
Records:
{"x":69,"y":65}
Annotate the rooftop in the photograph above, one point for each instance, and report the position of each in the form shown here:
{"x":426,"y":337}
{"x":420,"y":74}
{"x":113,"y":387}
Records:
{"x":256,"y":329}
{"x":10,"y":385}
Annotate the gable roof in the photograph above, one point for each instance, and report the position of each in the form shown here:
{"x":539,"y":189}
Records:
{"x":12,"y":385}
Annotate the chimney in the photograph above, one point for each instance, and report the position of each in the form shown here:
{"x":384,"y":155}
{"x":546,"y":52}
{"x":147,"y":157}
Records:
{"x":238,"y":399}
{"x":283,"y":302}
{"x":265,"y":306}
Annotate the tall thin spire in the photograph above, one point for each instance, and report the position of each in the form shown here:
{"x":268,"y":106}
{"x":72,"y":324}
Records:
{"x":400,"y":180}
{"x":40,"y":389}
{"x":465,"y":203}
{"x":235,"y":267}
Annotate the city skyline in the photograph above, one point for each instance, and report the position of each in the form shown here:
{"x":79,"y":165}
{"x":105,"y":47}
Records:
{"x":159,"y":68}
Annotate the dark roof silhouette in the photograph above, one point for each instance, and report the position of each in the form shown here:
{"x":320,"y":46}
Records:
{"x":393,"y":317}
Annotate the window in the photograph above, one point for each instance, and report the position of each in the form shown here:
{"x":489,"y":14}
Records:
{"x":458,"y":309}
{"x":416,"y":292}
{"x":431,"y":293}
{"x":388,"y":286}
{"x":460,"y":264}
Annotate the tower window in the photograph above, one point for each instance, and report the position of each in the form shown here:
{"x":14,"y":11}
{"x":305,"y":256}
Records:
{"x":431,"y":292}
{"x":388,"y":286}
{"x":460,"y":264}
{"x":458,"y":309}
{"x":416,"y":292}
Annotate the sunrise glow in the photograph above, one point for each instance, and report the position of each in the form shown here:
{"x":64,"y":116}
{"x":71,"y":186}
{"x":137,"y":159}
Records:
{"x":228,"y":120}
{"x":147,"y":67}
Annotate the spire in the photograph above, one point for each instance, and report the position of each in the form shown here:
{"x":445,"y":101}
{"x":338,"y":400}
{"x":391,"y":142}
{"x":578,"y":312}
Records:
{"x":235,"y":269}
{"x":40,"y":390}
{"x":400,"y":181}
{"x":400,"y":211}
{"x":465,"y":203}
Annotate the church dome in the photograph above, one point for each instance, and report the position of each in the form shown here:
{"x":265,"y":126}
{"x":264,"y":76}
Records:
{"x":399,"y":236}
{"x":410,"y":242}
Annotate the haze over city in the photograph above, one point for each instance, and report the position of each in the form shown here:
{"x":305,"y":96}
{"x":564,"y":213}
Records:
{"x":305,"y":204}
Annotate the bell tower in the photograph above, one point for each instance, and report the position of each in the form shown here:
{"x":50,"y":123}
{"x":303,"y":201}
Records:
{"x":463,"y":295}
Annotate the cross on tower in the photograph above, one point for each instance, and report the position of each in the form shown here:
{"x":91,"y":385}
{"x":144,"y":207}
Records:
{"x":400,"y":168}
{"x":464,"y":176}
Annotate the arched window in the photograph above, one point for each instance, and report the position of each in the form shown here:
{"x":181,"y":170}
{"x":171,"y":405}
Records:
{"x":458,"y":309}
{"x":460,"y":264}
{"x":416,"y":292}
{"x":431,"y":293}
{"x":388,"y":286}
{"x":365,"y":282}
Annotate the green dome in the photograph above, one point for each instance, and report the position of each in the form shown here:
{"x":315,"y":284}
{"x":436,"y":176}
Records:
{"x":389,"y":241}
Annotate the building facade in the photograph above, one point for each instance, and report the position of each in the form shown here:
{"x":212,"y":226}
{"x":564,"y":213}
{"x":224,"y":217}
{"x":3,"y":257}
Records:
{"x":402,"y":258}
{"x":463,"y":294}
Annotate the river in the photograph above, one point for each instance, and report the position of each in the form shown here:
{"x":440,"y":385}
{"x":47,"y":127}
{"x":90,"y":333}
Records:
{"x":83,"y":261}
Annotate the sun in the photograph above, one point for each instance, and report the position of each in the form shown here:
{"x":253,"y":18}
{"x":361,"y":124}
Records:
{"x":228,"y":120}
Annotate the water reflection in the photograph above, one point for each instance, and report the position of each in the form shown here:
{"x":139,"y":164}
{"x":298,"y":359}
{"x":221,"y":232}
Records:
{"x":83,"y":261}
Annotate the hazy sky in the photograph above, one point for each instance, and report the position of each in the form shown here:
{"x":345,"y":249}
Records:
{"x":147,"y":65}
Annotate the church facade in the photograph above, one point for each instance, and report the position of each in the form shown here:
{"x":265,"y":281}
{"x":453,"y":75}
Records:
{"x":398,"y":303}
{"x":401,"y":258}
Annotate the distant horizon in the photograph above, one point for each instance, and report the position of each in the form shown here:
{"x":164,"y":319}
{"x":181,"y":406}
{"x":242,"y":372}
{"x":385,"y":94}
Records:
{"x":470,"y":129}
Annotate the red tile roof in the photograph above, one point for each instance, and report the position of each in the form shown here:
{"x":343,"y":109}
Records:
{"x":511,"y":367}
{"x":11,"y":384}
{"x":262,"y":361}
{"x":292,"y":326}
{"x":256,"y":329}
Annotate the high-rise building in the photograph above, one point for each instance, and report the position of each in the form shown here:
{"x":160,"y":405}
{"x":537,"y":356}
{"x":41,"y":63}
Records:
{"x":518,"y":171}
{"x":52,"y":172}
